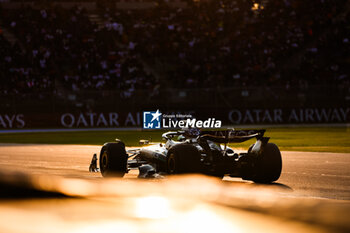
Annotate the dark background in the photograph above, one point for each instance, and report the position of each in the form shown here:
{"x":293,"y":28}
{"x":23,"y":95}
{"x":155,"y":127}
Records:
{"x":208,"y":58}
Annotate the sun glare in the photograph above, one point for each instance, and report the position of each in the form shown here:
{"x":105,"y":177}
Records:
{"x":152,"y":207}
{"x":202,"y":219}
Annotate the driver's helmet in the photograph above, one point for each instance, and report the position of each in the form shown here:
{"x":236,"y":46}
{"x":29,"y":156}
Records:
{"x":192,"y":132}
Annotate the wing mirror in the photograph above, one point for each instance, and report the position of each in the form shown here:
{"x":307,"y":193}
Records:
{"x":181,"y":138}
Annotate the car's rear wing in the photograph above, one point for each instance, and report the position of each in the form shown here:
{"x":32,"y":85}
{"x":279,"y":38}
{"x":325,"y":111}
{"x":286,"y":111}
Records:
{"x":232,"y":136}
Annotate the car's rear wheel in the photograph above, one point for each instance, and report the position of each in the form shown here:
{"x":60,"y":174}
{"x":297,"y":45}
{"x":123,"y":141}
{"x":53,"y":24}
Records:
{"x":183,"y":158}
{"x":113,"y":160}
{"x":268,"y":165}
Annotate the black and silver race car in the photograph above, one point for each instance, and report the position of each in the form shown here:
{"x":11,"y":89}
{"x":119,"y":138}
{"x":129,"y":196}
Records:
{"x":195,"y":151}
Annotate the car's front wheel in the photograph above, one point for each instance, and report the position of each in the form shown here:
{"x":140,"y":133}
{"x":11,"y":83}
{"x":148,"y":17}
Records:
{"x":113,"y":160}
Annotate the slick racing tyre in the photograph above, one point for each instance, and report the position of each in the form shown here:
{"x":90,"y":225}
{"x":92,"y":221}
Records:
{"x":269,"y":164}
{"x":183,"y":158}
{"x":113,"y":160}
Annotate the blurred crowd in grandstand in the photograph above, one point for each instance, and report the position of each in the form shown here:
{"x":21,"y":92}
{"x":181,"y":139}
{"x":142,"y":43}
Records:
{"x":226,"y":43}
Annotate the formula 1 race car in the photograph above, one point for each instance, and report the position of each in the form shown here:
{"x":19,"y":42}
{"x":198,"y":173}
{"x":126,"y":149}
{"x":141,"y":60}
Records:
{"x":195,"y":151}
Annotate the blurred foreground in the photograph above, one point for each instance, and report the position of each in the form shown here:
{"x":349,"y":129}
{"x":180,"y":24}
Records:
{"x":177,"y":204}
{"x":48,"y":189}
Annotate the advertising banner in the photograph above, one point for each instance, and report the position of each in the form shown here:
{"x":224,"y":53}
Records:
{"x":211,"y":118}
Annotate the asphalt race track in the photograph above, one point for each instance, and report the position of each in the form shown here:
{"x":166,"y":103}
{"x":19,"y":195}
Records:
{"x":47,"y":188}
